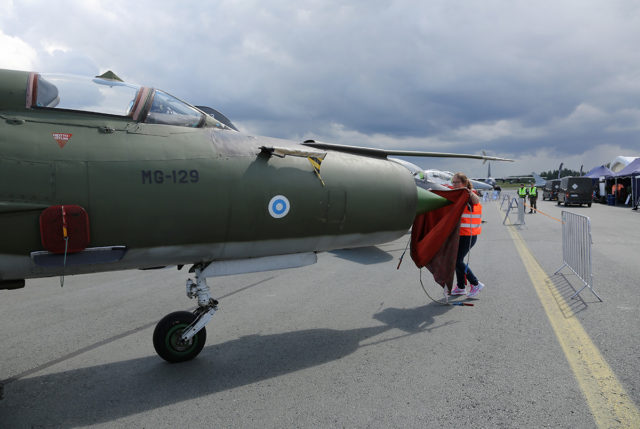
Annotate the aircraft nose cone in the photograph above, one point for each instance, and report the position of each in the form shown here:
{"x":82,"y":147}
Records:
{"x":428,"y":201}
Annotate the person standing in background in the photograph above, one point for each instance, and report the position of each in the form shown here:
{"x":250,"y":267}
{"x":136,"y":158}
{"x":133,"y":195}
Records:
{"x":533,"y":197}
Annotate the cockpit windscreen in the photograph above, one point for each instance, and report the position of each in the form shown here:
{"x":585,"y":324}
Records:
{"x":166,"y":109}
{"x":85,"y":94}
{"x":113,"y":97}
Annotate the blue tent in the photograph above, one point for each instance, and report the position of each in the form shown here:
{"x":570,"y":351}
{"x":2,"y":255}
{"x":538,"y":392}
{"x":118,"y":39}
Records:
{"x":633,"y":169}
{"x":600,"y":171}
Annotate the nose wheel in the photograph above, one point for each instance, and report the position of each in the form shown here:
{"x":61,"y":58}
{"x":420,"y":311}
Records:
{"x":167,"y":337}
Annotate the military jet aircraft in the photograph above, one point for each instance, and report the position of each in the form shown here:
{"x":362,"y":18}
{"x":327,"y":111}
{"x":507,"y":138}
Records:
{"x":445,"y":177}
{"x":97,"y":174}
{"x":419,"y":176}
{"x":491,"y":181}
{"x":538,"y":180}
{"x":435,"y":179}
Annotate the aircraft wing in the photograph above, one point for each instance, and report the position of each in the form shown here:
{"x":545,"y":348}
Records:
{"x":383,"y":153}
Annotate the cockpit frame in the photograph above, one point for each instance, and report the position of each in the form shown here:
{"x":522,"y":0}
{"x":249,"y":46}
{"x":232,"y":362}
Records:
{"x":108,"y":97}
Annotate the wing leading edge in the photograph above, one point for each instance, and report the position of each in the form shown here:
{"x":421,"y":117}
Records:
{"x":383,"y":153}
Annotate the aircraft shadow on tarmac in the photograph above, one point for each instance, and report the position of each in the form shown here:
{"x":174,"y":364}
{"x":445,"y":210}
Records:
{"x":103,"y":393}
{"x":364,"y":255}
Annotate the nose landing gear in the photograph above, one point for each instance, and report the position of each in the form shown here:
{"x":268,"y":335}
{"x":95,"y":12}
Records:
{"x":180,"y":336}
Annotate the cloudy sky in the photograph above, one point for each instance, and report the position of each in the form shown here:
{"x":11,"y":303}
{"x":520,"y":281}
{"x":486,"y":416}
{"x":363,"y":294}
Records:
{"x":542,"y":82}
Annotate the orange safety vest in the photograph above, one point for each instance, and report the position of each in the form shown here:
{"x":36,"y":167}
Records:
{"x":471,"y":220}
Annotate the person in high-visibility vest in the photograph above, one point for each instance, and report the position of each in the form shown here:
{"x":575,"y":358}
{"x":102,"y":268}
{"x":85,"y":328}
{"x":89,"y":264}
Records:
{"x":522,"y":191}
{"x":470,"y":228}
{"x":533,"y":197}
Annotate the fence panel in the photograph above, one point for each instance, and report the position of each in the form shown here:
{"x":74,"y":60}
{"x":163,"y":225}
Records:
{"x":576,"y":249}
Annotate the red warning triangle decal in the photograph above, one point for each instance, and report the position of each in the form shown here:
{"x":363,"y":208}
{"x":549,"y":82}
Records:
{"x":61,"y":138}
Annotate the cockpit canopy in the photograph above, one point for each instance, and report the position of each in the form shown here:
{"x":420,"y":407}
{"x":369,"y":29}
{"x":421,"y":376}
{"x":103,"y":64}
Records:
{"x":111,"y":96}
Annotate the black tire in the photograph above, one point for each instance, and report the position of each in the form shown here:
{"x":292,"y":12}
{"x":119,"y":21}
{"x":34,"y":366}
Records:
{"x":167,"y":333}
{"x":559,"y":203}
{"x":588,"y":204}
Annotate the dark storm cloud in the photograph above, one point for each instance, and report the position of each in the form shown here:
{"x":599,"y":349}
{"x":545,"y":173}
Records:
{"x":533,"y":80}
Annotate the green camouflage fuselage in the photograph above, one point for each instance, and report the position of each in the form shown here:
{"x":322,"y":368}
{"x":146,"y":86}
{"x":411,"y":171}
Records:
{"x":178,"y":195}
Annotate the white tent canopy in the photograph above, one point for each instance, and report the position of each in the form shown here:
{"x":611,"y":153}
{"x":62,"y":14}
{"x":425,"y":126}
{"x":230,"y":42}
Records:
{"x":621,"y":162}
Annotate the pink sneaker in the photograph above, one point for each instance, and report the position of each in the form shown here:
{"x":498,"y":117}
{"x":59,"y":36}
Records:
{"x":457,"y":291}
{"x":475,"y":290}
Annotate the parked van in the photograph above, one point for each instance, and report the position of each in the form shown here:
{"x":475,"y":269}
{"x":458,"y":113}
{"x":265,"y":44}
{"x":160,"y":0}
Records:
{"x":550,"y":190}
{"x":575,"y":190}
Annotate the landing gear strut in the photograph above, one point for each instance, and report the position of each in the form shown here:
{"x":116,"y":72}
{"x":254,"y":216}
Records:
{"x":180,"y":336}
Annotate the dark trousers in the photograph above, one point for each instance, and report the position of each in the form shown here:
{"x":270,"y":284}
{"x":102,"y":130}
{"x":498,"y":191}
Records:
{"x":533,"y":200}
{"x":464,"y":245}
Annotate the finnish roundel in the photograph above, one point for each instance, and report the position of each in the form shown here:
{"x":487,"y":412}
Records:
{"x":279,"y":206}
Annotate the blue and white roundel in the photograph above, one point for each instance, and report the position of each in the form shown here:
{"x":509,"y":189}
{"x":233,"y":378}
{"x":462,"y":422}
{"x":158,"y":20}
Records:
{"x":279,"y":206}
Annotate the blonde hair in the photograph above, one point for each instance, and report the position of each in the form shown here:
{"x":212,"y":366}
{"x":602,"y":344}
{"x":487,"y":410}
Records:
{"x":464,"y":179}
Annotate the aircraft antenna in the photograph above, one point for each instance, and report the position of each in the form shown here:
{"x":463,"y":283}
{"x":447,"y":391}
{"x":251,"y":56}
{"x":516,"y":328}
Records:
{"x":402,"y":256}
{"x":65,"y":236}
{"x":109,"y":75}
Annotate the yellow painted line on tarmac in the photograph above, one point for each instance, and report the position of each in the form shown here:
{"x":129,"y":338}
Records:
{"x":609,"y":402}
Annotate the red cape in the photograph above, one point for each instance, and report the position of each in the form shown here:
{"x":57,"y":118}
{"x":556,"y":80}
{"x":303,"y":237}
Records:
{"x":435,"y":236}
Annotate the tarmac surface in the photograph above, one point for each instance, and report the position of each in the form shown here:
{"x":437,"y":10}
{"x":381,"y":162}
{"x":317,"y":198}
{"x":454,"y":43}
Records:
{"x":348,"y":342}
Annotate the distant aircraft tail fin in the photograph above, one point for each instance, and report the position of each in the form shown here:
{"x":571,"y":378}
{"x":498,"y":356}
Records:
{"x":539,"y":181}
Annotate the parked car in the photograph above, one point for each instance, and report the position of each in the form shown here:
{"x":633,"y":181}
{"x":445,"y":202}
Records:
{"x":575,"y":190}
{"x":550,"y":190}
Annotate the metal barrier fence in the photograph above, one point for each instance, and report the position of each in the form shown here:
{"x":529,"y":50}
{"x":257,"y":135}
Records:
{"x":518,"y":204}
{"x":505,"y":197}
{"x":576,"y":249}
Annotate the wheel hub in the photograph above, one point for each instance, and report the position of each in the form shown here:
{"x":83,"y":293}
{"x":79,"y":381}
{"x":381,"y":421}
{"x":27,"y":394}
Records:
{"x":174,"y":339}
